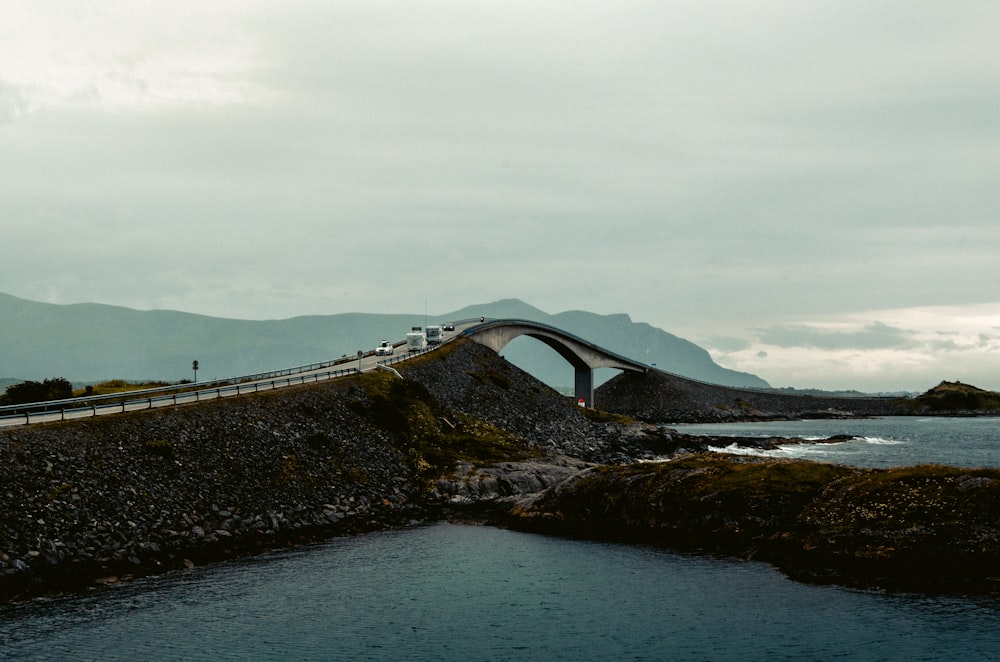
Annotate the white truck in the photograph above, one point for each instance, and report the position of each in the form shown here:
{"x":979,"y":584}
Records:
{"x":433,"y":334}
{"x":416,"y":339}
{"x":384,"y":348}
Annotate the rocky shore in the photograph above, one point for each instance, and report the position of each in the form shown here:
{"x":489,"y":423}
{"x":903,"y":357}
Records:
{"x":664,"y":398}
{"x":461,"y":434}
{"x":98,"y":500}
{"x":921,"y":529}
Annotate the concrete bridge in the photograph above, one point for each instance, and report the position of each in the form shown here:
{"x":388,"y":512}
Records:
{"x":583,"y":355}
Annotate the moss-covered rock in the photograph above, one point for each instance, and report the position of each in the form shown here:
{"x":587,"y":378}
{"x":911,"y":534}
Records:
{"x":955,"y":397}
{"x":919,"y":528}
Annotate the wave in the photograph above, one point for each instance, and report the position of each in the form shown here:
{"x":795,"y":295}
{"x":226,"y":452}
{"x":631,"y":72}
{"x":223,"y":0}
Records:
{"x":735,"y":449}
{"x":881,"y":441}
{"x":804,"y":450}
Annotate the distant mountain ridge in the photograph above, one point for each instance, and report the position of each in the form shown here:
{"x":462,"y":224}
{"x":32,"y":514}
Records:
{"x":91,"y":342}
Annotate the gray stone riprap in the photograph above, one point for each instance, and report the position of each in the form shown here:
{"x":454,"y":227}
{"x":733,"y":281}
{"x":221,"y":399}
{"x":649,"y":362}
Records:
{"x":160,"y":489}
{"x":476,"y":382}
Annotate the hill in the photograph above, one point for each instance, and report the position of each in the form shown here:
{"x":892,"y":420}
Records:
{"x":956,"y":397}
{"x":91,"y":342}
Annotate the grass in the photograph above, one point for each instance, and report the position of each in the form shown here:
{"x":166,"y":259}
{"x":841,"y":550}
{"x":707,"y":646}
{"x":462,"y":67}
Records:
{"x":432,"y":438}
{"x":956,"y":396}
{"x":113,"y":386}
{"x":927,"y":496}
{"x":600,"y":416}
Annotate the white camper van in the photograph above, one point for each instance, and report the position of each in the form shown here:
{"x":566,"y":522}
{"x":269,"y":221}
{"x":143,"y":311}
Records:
{"x":416,"y":339}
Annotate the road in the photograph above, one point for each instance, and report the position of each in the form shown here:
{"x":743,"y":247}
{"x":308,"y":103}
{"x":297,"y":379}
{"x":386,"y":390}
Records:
{"x":82,"y":408}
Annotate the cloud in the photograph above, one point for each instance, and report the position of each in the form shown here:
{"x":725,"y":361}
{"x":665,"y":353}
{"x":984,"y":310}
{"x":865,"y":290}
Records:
{"x":140,"y":56}
{"x":728,"y":343}
{"x":12,"y":102}
{"x":875,"y":335}
{"x":756,"y":174}
{"x":919,"y":348}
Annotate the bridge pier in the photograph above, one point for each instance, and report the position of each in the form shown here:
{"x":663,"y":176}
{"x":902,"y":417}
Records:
{"x":584,"y":385}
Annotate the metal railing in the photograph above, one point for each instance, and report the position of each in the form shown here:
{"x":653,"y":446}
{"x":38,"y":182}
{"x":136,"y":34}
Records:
{"x":183,"y":393}
{"x":60,"y":410}
{"x":8,"y":410}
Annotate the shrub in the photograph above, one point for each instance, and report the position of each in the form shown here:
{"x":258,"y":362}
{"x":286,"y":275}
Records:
{"x":161,"y":448}
{"x":56,"y":388}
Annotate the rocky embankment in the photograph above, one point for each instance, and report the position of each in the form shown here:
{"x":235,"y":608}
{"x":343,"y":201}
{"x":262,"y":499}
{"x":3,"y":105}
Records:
{"x":464,"y":434}
{"x":97,"y":500}
{"x":663,"y":398}
{"x":106,"y":498}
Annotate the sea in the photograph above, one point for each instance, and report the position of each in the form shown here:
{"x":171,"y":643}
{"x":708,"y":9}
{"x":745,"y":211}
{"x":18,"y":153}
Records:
{"x":461,"y":592}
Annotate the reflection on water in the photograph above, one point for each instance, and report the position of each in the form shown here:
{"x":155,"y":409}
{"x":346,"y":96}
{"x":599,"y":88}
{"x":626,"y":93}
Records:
{"x":448,"y":592}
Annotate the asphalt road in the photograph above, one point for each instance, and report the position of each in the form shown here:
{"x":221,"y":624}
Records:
{"x":231,"y":388}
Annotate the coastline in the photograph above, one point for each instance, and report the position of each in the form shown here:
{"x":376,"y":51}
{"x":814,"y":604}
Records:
{"x":464,"y":436}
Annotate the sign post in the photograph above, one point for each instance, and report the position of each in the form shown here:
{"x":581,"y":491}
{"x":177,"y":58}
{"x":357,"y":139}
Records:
{"x":360,"y":354}
{"x":194,"y":366}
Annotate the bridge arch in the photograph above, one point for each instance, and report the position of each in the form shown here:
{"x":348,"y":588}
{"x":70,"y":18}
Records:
{"x":582,"y":354}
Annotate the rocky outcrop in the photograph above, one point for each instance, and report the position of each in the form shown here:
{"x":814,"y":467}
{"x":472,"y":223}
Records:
{"x":504,"y":484}
{"x":664,"y":398}
{"x":925,"y":528}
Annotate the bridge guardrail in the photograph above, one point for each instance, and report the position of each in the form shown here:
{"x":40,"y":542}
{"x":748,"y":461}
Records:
{"x":9,"y":411}
{"x":149,"y":400}
{"x":215,"y":389}
{"x":194,"y":392}
{"x":409,"y":354}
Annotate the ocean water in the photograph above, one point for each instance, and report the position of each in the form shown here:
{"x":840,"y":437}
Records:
{"x":882,"y":442}
{"x":451,"y":592}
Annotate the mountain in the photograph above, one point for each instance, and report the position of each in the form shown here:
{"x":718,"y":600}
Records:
{"x":90,"y":342}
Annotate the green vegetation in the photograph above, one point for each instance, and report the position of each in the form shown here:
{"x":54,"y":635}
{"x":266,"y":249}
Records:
{"x":56,"y":388}
{"x":161,"y":448}
{"x":600,"y":416}
{"x":489,"y":374}
{"x":61,"y":492}
{"x":712,"y":479}
{"x":113,"y":386}
{"x":918,"y":527}
{"x":433,"y":439}
{"x":290,"y":471}
{"x":956,"y":396}
{"x":924,"y":496}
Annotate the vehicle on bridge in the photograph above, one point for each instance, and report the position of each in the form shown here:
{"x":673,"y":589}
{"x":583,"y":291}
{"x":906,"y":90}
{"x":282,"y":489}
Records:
{"x":416,"y":339}
{"x":384,"y":349}
{"x":433,"y":334}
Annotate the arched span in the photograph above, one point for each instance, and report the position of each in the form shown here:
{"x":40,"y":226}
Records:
{"x":582,"y":354}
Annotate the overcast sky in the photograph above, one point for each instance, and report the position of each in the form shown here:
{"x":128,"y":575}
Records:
{"x":809,"y":190}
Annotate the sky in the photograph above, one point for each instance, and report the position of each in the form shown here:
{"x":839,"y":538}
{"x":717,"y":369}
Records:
{"x":808,"y":190}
